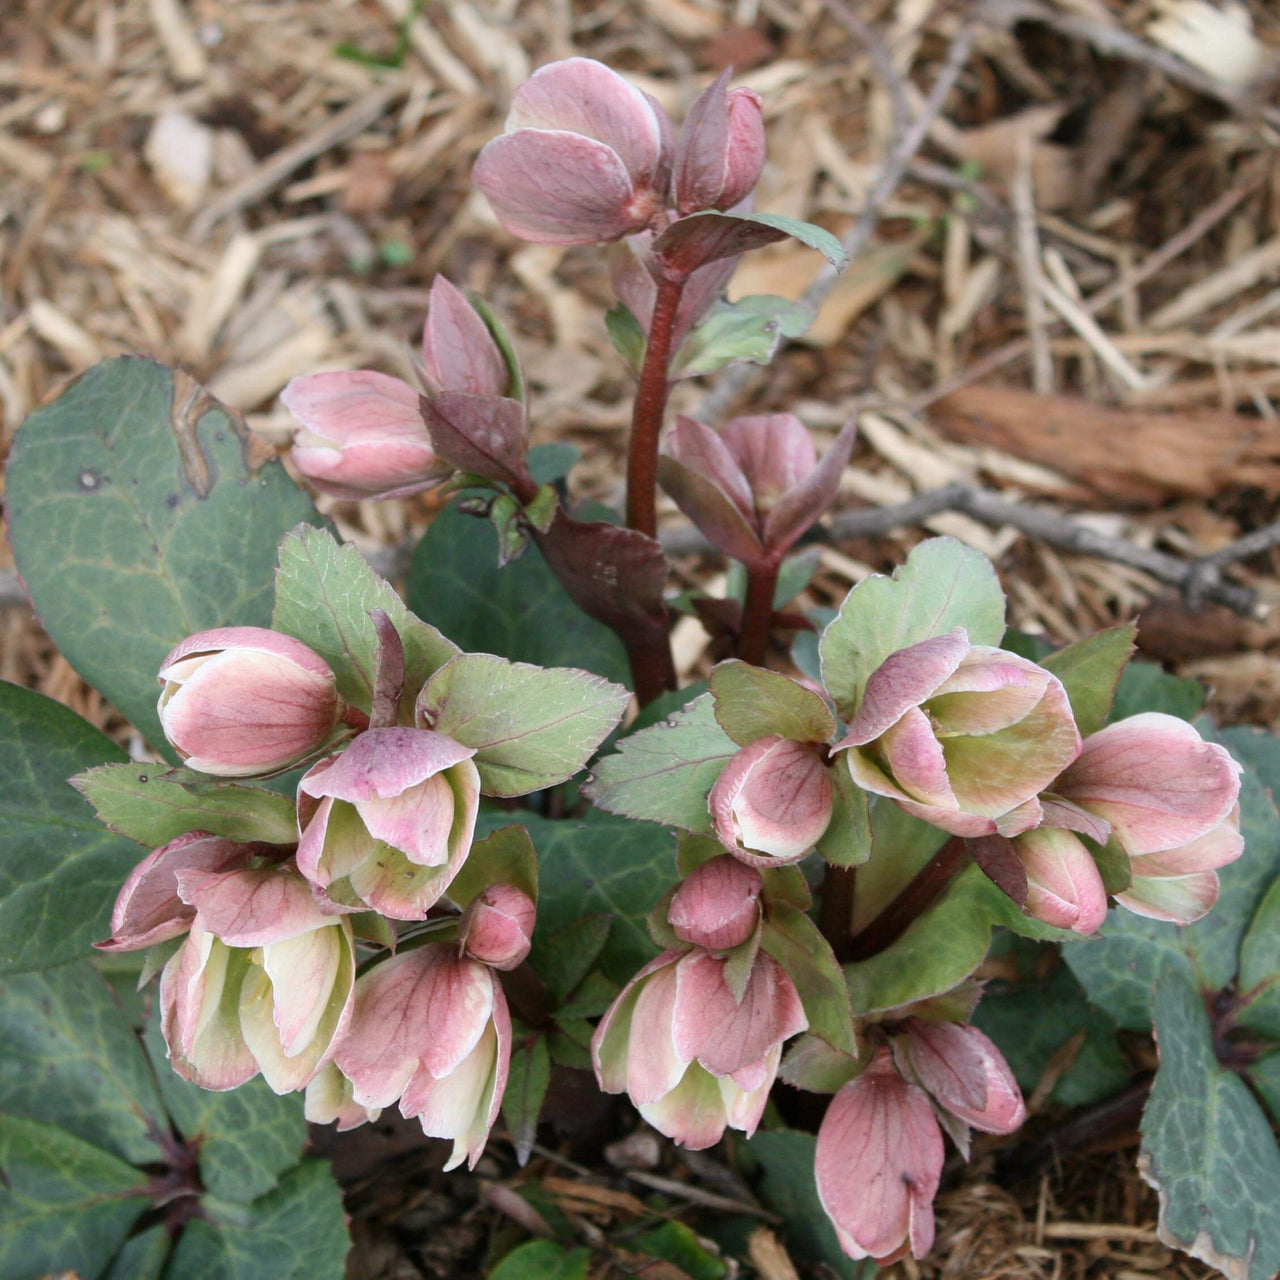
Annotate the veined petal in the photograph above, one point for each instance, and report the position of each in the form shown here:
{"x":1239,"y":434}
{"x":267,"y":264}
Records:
{"x":382,"y":763}
{"x":916,"y":759}
{"x":1064,"y":887}
{"x":989,"y":691}
{"x":253,"y":906}
{"x":654,"y":1066}
{"x":613,"y":1032}
{"x":458,"y":351}
{"x":774,"y":451}
{"x":355,"y":406}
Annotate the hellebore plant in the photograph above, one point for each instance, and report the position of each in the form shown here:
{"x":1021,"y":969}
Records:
{"x":374,"y":936}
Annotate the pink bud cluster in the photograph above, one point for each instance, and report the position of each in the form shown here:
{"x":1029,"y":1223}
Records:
{"x":263,"y":978}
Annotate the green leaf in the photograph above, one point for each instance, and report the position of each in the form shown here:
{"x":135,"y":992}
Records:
{"x":808,"y":234}
{"x":1260,"y":967}
{"x":505,"y":857}
{"x":515,"y":389}
{"x":247,"y":1137}
{"x":592,"y":998}
{"x":787,"y":1186}
{"x":296,"y":1232}
{"x":141,"y":511}
{"x":504,"y":516}
{"x":527,"y":1080}
{"x":1030,"y":1022}
{"x":751,"y":702}
{"x":64,"y":1205}
{"x":599,"y":865}
{"x":943,"y":584}
{"x":664,"y":774}
{"x":1207,"y":1147}
{"x":1120,"y":965}
{"x":1145,"y":686}
{"x":1264,"y":1075}
{"x":747,"y":330}
{"x":1090,"y":670}
{"x":1112,"y":863}
{"x":60,"y":869}
{"x":324,"y":592}
{"x":542,"y":1260}
{"x":796,"y":943}
{"x":847,"y":840}
{"x":531,"y":727}
{"x":627,"y":336}
{"x":569,"y":953}
{"x":520,"y":612}
{"x":677,"y":1244}
{"x":143,"y":1256}
{"x":1260,"y":751}
{"x":153,"y":805}
{"x":68,"y":1057}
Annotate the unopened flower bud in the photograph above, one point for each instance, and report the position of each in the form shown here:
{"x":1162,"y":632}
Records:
{"x":772,"y":802}
{"x":721,"y":149}
{"x":497,"y":926}
{"x":966,"y":1074}
{"x":458,"y":351}
{"x":718,"y":905}
{"x":239,"y":701}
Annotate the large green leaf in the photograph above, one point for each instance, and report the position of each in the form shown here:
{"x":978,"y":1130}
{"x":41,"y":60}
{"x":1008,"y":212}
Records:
{"x":665,"y":773}
{"x":519,"y":612}
{"x":1120,"y":965}
{"x":324,"y":593}
{"x":65,"y":1205}
{"x":141,"y":511}
{"x":153,"y":805}
{"x":531,"y":727}
{"x":1207,"y":1147}
{"x":246,"y":1137}
{"x":943,"y":585}
{"x":296,"y":1232}
{"x":60,"y":868}
{"x":68,"y":1057}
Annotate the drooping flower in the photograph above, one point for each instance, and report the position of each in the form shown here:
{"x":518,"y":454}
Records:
{"x":755,"y":487}
{"x":878,"y":1163}
{"x":387,"y":822}
{"x":431,"y":1029}
{"x":962,"y":736}
{"x":692,"y":1058}
{"x":239,"y":701}
{"x":263,"y":981}
{"x":585,"y":157}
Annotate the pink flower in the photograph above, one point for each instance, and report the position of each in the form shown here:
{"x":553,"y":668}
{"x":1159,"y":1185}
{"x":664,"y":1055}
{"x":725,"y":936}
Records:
{"x":773,"y":801}
{"x":1169,"y":798}
{"x":692,"y":1058}
{"x":718,"y":904}
{"x":329,"y":1099}
{"x":962,"y":736}
{"x":1064,"y":886}
{"x":966,"y":1074}
{"x":721,"y":149}
{"x":586,"y":157}
{"x":387,"y":822}
{"x":362,"y":435}
{"x":431,"y":1029}
{"x":754,"y":488}
{"x":458,"y":351}
{"x":497,"y":926}
{"x":148,"y":909}
{"x":263,"y":982}
{"x":878,"y":1163}
{"x":239,"y":701}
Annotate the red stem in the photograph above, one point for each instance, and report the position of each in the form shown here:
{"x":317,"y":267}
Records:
{"x":835,"y":910}
{"x":653,"y":670}
{"x":757,"y":612}
{"x":649,"y":409}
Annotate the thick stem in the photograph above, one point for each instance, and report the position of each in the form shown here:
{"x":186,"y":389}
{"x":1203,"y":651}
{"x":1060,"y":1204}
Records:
{"x":757,"y":612}
{"x":923,"y":890}
{"x":653,"y":669}
{"x":648,"y":411}
{"x":835,"y":910}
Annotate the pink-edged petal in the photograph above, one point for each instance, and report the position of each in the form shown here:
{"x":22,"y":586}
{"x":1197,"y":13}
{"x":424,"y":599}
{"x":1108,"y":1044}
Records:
{"x":772,"y":801}
{"x":989,"y":691}
{"x":551,"y":187}
{"x":804,"y":503}
{"x":996,"y":772}
{"x":704,"y":450}
{"x":654,"y":1067}
{"x":1026,"y":817}
{"x":725,"y":1036}
{"x":775,"y":452}
{"x":252,"y":907}
{"x":916,"y":760}
{"x":746,"y":1092}
{"x":147,"y":909}
{"x":382,"y":763}
{"x":417,"y":821}
{"x":1155,"y":780}
{"x":355,"y":405}
{"x":904,"y":680}
{"x":586,"y":97}
{"x":878,"y":1162}
{"x":692,"y":1113}
{"x":1214,"y":849}
{"x":1064,"y":887}
{"x":1177,"y":899}
{"x":609,"y":1043}
{"x":967,"y":1075}
{"x":458,"y":351}
{"x":372,"y":468}
{"x":718,"y":904}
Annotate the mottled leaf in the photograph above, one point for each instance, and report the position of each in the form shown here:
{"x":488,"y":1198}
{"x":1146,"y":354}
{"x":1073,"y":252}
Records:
{"x":60,"y":869}
{"x":1207,"y":1147}
{"x":141,"y":511}
{"x":1090,"y":670}
{"x":943,"y":585}
{"x":153,"y":805}
{"x":143,"y":1256}
{"x":665,"y":773}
